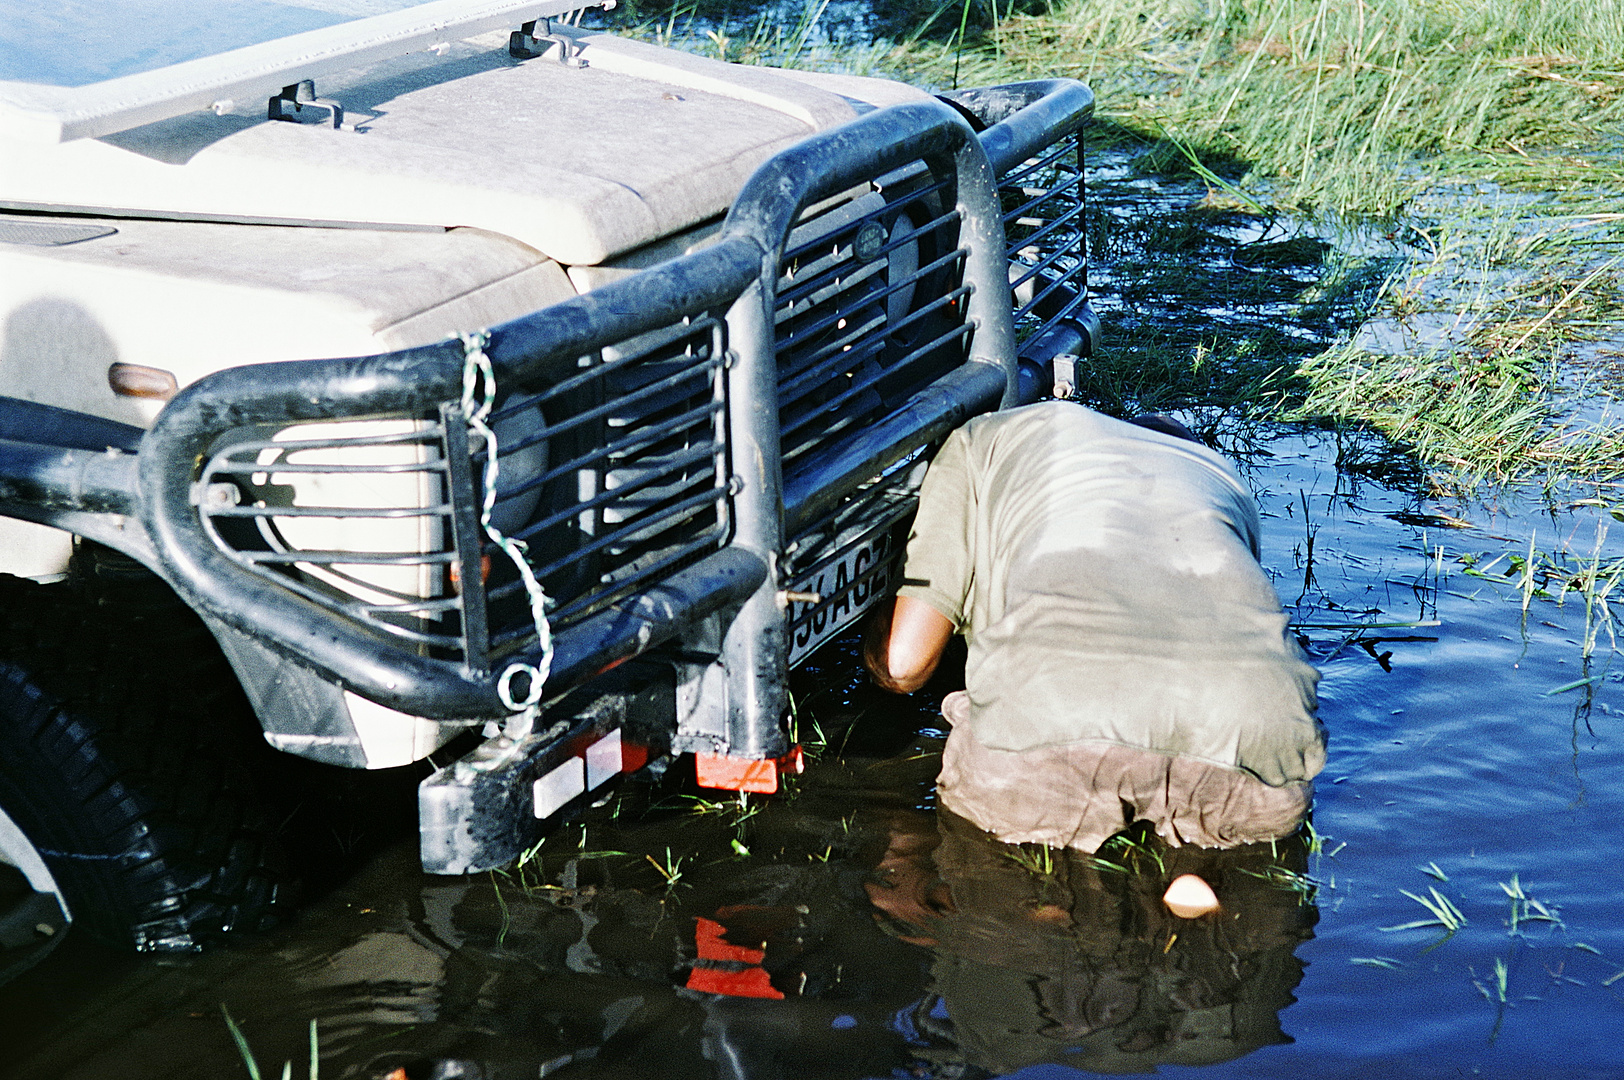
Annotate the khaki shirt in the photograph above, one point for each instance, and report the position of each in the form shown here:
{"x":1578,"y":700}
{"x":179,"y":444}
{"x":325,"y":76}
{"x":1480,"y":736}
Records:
{"x":1106,"y":579}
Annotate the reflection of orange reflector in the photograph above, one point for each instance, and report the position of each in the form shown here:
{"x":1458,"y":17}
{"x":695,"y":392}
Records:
{"x":712,"y":945}
{"x":752,"y":982}
{"x":746,"y":774}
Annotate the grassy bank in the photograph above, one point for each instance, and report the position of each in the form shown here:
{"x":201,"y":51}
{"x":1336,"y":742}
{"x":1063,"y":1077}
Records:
{"x":1352,"y":105}
{"x":1484,"y":140}
{"x":1399,"y":111}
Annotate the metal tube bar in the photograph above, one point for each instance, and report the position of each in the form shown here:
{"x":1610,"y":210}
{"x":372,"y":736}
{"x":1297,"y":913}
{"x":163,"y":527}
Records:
{"x":418,"y":435}
{"x":60,"y":479}
{"x":1041,"y":265}
{"x":1025,"y":117}
{"x":621,"y":402}
{"x":822,"y":479}
{"x":564,"y":614}
{"x":642,"y":436}
{"x":869,"y":298}
{"x":619,"y":536}
{"x":1046,"y":231}
{"x":359,"y":558}
{"x":612,"y":495}
{"x":1039,"y":199}
{"x":791,"y":390}
{"x":217,"y":468}
{"x":858,"y":387}
{"x":439,"y":510}
{"x":1010,"y":177}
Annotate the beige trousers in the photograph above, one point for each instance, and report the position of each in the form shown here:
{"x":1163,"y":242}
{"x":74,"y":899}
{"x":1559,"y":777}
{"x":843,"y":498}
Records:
{"x":1080,"y":794}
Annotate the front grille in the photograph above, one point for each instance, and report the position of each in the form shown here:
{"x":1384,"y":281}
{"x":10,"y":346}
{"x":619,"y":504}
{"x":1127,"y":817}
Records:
{"x":1043,"y":227}
{"x":353,"y":515}
{"x":870,"y":308}
{"x":614,"y":475}
{"x":618,"y":477}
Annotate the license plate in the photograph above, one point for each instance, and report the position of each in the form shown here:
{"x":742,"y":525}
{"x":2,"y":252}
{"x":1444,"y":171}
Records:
{"x":848,"y":585}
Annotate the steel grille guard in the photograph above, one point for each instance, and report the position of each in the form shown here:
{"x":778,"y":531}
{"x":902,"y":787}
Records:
{"x":91,"y":493}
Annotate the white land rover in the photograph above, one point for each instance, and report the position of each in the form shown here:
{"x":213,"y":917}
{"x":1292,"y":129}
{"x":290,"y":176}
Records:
{"x":462,"y":376}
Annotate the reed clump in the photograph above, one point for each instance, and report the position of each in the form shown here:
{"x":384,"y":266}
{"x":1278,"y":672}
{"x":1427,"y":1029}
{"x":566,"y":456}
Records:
{"x":1353,"y":106}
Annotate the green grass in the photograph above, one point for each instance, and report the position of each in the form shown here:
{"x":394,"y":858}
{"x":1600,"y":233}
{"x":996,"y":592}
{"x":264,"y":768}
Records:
{"x":1525,"y":908}
{"x":1035,"y":859}
{"x":1133,"y":852}
{"x":1310,"y":121}
{"x":1444,"y":913}
{"x":670,"y":870}
{"x":1394,"y":110}
{"x":251,"y":1064}
{"x":1354,"y":106}
{"x":1570,"y":570}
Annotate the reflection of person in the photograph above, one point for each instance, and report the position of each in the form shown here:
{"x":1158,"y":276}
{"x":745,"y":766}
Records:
{"x":1128,"y":658}
{"x":1084,"y":966}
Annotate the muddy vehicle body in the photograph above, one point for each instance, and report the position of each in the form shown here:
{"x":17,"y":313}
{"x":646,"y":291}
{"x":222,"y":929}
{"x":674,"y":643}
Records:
{"x":472,"y":379}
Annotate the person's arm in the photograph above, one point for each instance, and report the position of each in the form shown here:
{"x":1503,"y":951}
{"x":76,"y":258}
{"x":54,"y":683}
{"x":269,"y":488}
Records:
{"x":903,"y":644}
{"x":904,"y":640}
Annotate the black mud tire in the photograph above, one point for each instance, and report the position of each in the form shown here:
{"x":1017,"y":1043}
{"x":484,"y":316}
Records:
{"x":124,"y":758}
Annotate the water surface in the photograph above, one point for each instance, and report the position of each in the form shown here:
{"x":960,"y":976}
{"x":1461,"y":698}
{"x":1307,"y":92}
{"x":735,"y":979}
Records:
{"x":848,"y":929}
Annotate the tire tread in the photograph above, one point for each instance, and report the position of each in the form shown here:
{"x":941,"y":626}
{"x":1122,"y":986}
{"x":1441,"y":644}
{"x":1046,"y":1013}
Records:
{"x":123,"y":735}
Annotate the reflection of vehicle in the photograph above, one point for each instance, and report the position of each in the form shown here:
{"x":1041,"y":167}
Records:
{"x":729,"y":311}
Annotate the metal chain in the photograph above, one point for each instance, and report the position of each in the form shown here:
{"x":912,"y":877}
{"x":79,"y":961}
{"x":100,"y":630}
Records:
{"x":478,"y":397}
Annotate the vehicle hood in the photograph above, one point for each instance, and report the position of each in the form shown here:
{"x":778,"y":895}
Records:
{"x":580,"y":163}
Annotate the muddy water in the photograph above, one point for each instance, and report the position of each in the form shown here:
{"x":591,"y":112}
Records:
{"x":848,"y":929}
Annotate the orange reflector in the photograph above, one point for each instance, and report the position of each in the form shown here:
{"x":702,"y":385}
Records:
{"x":133,"y":380}
{"x":752,"y":982}
{"x":736,"y":773}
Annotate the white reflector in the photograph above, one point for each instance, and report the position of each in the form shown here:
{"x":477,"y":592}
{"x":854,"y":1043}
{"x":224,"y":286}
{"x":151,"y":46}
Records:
{"x":603,"y":759}
{"x":559,"y":786}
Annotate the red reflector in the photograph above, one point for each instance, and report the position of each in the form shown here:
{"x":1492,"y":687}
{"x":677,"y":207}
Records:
{"x":752,"y":982}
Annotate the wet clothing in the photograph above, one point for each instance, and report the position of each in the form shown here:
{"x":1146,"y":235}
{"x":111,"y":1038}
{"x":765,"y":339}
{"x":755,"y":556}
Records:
{"x":1075,"y":794}
{"x":1106,"y":579}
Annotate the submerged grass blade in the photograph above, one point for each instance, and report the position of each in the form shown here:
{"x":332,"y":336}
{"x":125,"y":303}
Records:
{"x":1444,"y":913}
{"x":242,"y":1044}
{"x":1576,"y":684}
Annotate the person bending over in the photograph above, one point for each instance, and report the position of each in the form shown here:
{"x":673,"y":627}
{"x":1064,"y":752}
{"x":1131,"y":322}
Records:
{"x":1128,"y":657}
